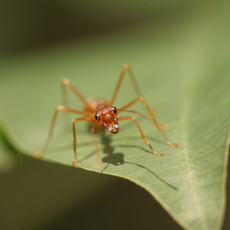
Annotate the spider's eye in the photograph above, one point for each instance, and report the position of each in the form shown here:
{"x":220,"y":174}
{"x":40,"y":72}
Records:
{"x":96,"y":116}
{"x":114,"y":109}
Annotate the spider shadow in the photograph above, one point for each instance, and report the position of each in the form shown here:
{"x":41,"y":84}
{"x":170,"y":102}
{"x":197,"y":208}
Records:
{"x":112,"y":157}
{"x":117,"y":159}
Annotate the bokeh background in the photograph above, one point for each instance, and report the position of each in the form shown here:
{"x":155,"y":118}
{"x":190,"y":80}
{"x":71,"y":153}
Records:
{"x":39,"y":195}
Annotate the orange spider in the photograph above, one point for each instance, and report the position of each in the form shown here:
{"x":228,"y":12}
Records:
{"x":98,"y":111}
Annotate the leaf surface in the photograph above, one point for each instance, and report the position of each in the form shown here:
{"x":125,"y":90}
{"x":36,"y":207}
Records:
{"x":182,"y":67}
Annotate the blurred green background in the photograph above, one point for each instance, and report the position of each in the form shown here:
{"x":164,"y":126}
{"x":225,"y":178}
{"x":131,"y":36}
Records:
{"x":40,"y":195}
{"x":29,"y":25}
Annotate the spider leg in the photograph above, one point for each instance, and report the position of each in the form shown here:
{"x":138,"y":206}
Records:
{"x":66,"y":83}
{"x":52,"y":125}
{"x":98,"y":160}
{"x":142,"y":134}
{"x":125,"y":69}
{"x":74,"y":135}
{"x":158,"y":125}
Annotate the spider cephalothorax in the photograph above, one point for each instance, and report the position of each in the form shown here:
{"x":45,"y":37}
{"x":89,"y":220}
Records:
{"x":99,"y":112}
{"x":106,"y":116}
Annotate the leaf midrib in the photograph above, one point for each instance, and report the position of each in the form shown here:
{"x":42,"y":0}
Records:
{"x":191,"y":178}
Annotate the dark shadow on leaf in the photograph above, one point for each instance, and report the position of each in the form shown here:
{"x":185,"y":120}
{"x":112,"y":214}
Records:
{"x":87,"y":157}
{"x":117,"y":159}
{"x":136,"y":146}
{"x":156,"y":140}
{"x":171,"y":186}
{"x":111,"y":158}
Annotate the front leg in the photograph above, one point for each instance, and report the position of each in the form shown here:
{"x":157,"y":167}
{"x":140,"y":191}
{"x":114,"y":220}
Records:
{"x":142,"y":134}
{"x":158,"y":125}
{"x":74,"y":136}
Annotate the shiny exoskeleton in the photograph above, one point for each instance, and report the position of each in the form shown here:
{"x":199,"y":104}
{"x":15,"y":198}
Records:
{"x":99,"y":112}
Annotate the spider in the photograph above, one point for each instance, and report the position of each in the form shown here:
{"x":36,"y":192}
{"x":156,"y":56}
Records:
{"x":99,"y":112}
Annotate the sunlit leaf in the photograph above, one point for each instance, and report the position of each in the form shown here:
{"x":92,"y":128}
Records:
{"x":182,"y":67}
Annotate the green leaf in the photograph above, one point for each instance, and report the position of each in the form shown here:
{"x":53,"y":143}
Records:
{"x":182,"y":67}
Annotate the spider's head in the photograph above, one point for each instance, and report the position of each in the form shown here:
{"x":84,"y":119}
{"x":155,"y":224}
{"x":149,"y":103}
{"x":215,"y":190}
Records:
{"x":107,"y":118}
